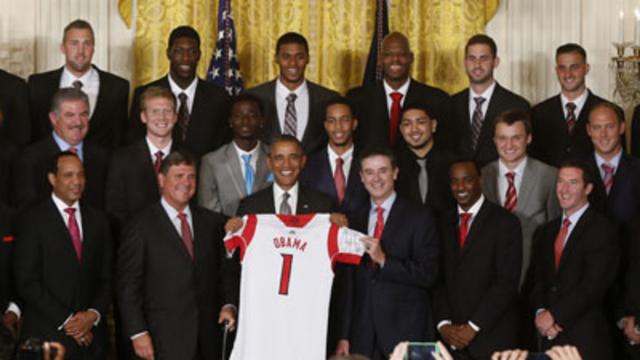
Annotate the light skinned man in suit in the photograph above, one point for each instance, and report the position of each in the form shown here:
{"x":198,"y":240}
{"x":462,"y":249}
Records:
{"x":391,"y":286}
{"x":378,"y":106}
{"x":575,"y":264}
{"x":14,"y":103}
{"x":477,"y":106}
{"x":172,"y":273}
{"x":476,"y":302}
{"x":292,"y":104}
{"x":202,"y":107}
{"x":63,"y":265}
{"x":239,"y":168}
{"x":108,"y":94}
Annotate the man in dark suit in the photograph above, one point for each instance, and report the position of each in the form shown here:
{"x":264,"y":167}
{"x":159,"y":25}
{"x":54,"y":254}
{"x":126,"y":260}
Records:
{"x":423,"y":166}
{"x":171,"y":272}
{"x":378,"y":106}
{"x":8,"y":152}
{"x":108,"y":94}
{"x":63,"y":265}
{"x":477,"y":106}
{"x":334,"y":169}
{"x":476,"y":303}
{"x":202,"y":107}
{"x":575,"y":263}
{"x":559,"y":122}
{"x":391,"y":286}
{"x":10,"y":311}
{"x":69,"y":117}
{"x":14,"y":103}
{"x":292,"y":104}
{"x":629,"y":323}
{"x":635,"y":132}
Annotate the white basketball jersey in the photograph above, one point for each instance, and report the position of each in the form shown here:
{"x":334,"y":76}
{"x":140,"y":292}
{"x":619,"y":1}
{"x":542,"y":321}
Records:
{"x":286,"y":282}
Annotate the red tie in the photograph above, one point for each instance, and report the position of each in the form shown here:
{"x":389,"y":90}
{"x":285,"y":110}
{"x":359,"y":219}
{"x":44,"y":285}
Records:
{"x":558,"y":246}
{"x":464,"y":228}
{"x":73,"y":149}
{"x":511,"y":199}
{"x":377,"y":232}
{"x":158,"y":162}
{"x":185,"y":230}
{"x":608,"y":176}
{"x":338,"y":177}
{"x":74,"y":232}
{"x":395,"y":116}
{"x":571,"y":116}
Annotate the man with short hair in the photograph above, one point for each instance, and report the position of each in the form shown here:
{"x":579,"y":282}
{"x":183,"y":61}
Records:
{"x":292,"y":104}
{"x":378,"y":106}
{"x":69,"y":118}
{"x":202,"y":107}
{"x":63,"y":265}
{"x":107,"y":93}
{"x":477,"y":106}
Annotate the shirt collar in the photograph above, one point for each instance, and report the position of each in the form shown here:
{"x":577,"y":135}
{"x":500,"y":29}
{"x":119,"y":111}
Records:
{"x":519,"y":170}
{"x":402,"y":89}
{"x":346,"y":156}
{"x":64,"y":146}
{"x":153,"y":149}
{"x":486,"y":94}
{"x":241,"y":152}
{"x":386,"y":204}
{"x":190,"y":90}
{"x":473,"y":210}
{"x":61,"y":205}
{"x":172,"y":212}
{"x":615,"y":161}
{"x":284,"y":91}
{"x":278,"y":191}
{"x":579,"y":101}
{"x":68,"y":78}
{"x":575,"y":217}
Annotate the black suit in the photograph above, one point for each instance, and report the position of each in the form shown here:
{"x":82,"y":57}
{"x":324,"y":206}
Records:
{"x":107,"y":125}
{"x":8,"y":152}
{"x":575,"y":293}
{"x":314,"y":136}
{"x":480,"y":281}
{"x":460,"y":134}
{"x":6,"y":247}
{"x":163,"y":291}
{"x":370,"y":107}
{"x":309,"y":201}
{"x":208,"y":127}
{"x":31,"y":166}
{"x":50,"y":281}
{"x":14,"y":104}
{"x":631,"y":300}
{"x":635,"y":132}
{"x":551,"y":141}
{"x":392,"y":303}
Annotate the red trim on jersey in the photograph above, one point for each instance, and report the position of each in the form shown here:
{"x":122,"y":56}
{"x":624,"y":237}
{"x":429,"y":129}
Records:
{"x":352,"y":259}
{"x":285,"y":274}
{"x":296,"y":221}
{"x":332,"y":241}
{"x":7,"y":238}
{"x":243,"y":240}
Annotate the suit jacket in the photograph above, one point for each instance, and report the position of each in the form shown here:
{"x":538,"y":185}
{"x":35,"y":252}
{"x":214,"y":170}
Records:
{"x":52,"y":284}
{"x":317,"y":175}
{"x":537,"y":201}
{"x":165,"y":292}
{"x":314,"y":136}
{"x":8,"y":152}
{"x":108,"y":121}
{"x":480,"y":282}
{"x":221,"y":184}
{"x":392,"y":303}
{"x":15,"y":106}
{"x":370,"y":107}
{"x":635,"y":132}
{"x":309,"y":201}
{"x":551,"y":141}
{"x":208,"y":127}
{"x":6,"y":248}
{"x":575,"y":293}
{"x":32,"y":164}
{"x":485,"y":152}
{"x":632,"y":291}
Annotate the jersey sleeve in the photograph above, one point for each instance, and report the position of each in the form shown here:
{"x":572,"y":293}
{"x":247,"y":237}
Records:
{"x":345,"y":245}
{"x":242,"y":237}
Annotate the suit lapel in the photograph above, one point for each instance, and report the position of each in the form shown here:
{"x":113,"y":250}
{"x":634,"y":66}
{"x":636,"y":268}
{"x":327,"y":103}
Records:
{"x":102,"y":93}
{"x":170,"y":229}
{"x":620,"y":177}
{"x":477,"y":225}
{"x":326,"y":179}
{"x":572,"y":242}
{"x":262,"y":171}
{"x":198,"y":233}
{"x":60,"y":227}
{"x":144,"y":158}
{"x":232,"y":165}
{"x":271,"y":99}
{"x":303,"y":201}
{"x":527,"y":185}
{"x":490,"y":182}
{"x":394,"y":221}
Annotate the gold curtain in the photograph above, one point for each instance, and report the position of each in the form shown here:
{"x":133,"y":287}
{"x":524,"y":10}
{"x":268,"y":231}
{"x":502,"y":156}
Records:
{"x":339,"y":34}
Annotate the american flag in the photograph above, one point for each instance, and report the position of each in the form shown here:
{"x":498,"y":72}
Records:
{"x":373,"y":72}
{"x":224,"y":69}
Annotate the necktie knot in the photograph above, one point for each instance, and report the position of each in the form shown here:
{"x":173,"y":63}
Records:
{"x":182,"y":97}
{"x":510,"y":176}
{"x":246,"y":158}
{"x":182,"y":216}
{"x":379,"y":210}
{"x":77,"y":84}
{"x":608,"y":169}
{"x":291,"y":97}
{"x":566,"y":223}
{"x":73,"y":149}
{"x":571,"y":107}
{"x":422,"y":163}
{"x":396,"y":96}
{"x":339,"y":161}
{"x":465,"y":217}
{"x":479,"y":100}
{"x":159,"y":154}
{"x":71,"y":211}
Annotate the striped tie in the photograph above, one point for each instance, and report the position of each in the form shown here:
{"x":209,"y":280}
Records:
{"x":608,"y":176}
{"x":511,"y":198}
{"x":290,"y":117}
{"x":571,"y":116}
{"x":476,"y":121}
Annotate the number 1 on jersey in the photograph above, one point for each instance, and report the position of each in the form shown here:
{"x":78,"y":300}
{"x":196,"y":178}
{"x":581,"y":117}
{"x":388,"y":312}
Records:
{"x":285,"y":274}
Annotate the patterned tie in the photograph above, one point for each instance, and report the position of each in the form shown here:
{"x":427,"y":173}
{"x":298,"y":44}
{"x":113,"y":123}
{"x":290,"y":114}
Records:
{"x":77,"y":84}
{"x":73,"y":149}
{"x":608,"y":176}
{"x":249,"y":175}
{"x":158,"y":162}
{"x":558,"y":246}
{"x":338,"y":177}
{"x":511,"y":198}
{"x":571,"y":116}
{"x":290,"y":117}
{"x":285,"y":208}
{"x":476,"y":121}
{"x":423,"y":183}
{"x":185,"y":232}
{"x":465,"y":217}
{"x":74,"y":232}
{"x":396,"y":97}
{"x":183,"y":116}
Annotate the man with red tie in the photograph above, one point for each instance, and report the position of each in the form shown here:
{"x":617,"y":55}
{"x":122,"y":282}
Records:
{"x":575,"y":261}
{"x":476,"y":303}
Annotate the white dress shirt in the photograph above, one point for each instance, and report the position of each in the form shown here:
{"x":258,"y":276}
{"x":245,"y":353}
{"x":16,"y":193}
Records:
{"x":487,"y":94}
{"x":252,"y":162}
{"x":347,"y":158}
{"x":615,"y":162}
{"x":172,"y":213}
{"x":301,"y":105}
{"x":402,"y":90}
{"x":153,"y":149}
{"x":579,"y":101}
{"x":64,"y":146}
{"x":90,"y":84}
{"x":503,"y":183}
{"x":278,"y":193}
{"x":190,"y":91}
{"x":373,"y":214}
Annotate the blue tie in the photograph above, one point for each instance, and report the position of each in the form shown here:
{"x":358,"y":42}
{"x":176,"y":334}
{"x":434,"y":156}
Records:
{"x":248,"y":173}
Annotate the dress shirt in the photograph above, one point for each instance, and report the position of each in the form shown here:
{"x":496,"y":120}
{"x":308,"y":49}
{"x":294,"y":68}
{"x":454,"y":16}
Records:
{"x":373,"y":215}
{"x":574,"y":218}
{"x":347,"y":158}
{"x":153,"y":149}
{"x":301,"y":105}
{"x":64,"y":146}
{"x":90,"y":84}
{"x":404,"y":89}
{"x":579,"y":101}
{"x":488,"y":92}
{"x":253,"y":161}
{"x":503,"y":183}
{"x":172,"y":213}
{"x":190,"y":91}
{"x":615,"y":162}
{"x":293,"y":197}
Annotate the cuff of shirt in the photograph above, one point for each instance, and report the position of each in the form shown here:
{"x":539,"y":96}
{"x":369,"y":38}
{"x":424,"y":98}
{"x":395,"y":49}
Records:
{"x":98,"y":316}
{"x":13,"y":307}
{"x":475,"y":327}
{"x":135,"y":336}
{"x":443,"y":323}
{"x":65,"y":322}
{"x":539,"y":311}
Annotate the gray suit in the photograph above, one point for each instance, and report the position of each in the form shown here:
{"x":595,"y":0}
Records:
{"x":537,"y":201}
{"x":221,"y":184}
